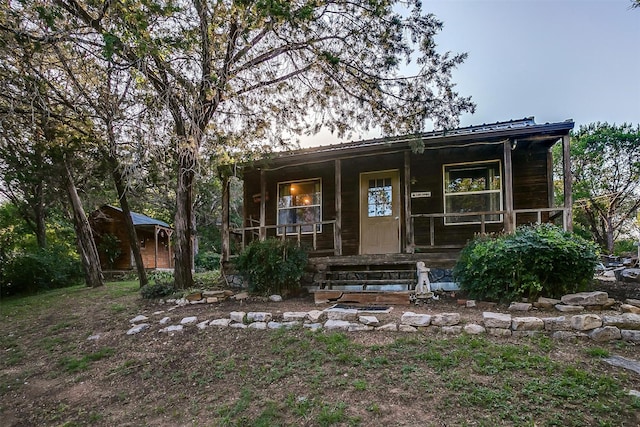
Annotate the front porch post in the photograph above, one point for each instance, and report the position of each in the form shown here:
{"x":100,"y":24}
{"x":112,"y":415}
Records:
{"x":169,"y":245}
{"x":409,"y":238}
{"x":509,"y":220}
{"x":225,"y":218}
{"x":155,"y":253}
{"x":566,"y":169}
{"x":337,"y":250}
{"x":263,"y":205}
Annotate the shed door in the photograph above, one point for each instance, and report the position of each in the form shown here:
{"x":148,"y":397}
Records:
{"x":380,"y":212}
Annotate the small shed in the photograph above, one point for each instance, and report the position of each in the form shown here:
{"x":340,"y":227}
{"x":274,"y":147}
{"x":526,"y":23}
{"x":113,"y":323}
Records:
{"x":381,"y":203}
{"x":113,"y":245}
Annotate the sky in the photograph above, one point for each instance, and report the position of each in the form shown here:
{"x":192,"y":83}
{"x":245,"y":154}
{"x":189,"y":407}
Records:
{"x":551,"y":59}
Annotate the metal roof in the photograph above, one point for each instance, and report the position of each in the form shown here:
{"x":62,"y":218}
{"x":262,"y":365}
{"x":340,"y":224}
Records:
{"x":521,"y":128}
{"x":139,"y":219}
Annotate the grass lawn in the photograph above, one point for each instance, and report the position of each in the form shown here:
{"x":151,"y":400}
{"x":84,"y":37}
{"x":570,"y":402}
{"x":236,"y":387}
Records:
{"x":51,"y":374}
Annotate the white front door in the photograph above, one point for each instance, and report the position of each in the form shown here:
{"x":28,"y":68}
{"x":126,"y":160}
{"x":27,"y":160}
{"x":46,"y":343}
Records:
{"x":380,"y":212}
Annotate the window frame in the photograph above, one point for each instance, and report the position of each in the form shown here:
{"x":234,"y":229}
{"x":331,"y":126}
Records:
{"x":446,"y":196}
{"x":281,"y":228}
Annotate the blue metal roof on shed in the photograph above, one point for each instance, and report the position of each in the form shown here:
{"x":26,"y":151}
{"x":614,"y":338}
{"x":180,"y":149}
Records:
{"x":139,"y":219}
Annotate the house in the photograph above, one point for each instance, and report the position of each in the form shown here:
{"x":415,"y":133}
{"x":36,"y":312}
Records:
{"x":112,"y":240}
{"x":365,"y":209}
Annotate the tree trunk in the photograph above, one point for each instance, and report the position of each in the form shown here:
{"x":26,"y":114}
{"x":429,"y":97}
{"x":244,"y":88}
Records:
{"x":609,"y":230}
{"x":86,"y":244}
{"x":596,"y":226}
{"x":134,"y":243}
{"x":184,"y":216}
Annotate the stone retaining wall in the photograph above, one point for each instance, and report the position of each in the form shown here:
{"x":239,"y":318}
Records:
{"x":598,"y":328}
{"x":622,"y":325}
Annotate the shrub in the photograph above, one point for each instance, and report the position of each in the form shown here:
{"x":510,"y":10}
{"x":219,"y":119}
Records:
{"x":162,"y":286}
{"x":207,"y":261}
{"x":207,"y":279}
{"x":157,"y":290}
{"x":534,"y":260}
{"x":31,"y":272}
{"x":272,"y":266}
{"x":625,"y":247}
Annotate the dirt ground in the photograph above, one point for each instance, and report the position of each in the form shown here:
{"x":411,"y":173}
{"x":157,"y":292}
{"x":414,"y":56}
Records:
{"x":55,"y":372}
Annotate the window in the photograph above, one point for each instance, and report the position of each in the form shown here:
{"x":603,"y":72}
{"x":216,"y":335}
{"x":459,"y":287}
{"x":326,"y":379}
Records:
{"x":300,"y":202}
{"x":472,"y":187}
{"x":379,"y":198}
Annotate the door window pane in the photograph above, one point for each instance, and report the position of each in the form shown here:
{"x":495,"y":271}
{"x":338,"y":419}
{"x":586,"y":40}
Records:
{"x":380,"y":197}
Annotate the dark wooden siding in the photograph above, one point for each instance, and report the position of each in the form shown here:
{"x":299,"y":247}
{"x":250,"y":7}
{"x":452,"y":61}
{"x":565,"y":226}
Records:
{"x":351,"y":170}
{"x":530,"y":186}
{"x":427,"y":175}
{"x":324,"y":171}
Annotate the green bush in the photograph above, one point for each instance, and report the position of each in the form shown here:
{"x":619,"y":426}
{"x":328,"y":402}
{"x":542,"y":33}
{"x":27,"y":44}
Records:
{"x":207,"y":279}
{"x":272,"y":266}
{"x":162,"y":286}
{"x":207,"y":261}
{"x":24,"y":272}
{"x":533,"y":261}
{"x":624,"y":247}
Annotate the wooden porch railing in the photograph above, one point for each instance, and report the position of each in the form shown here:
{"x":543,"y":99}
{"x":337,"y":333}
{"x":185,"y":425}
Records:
{"x":553,"y":214}
{"x":255,"y":232}
{"x":248,"y":234}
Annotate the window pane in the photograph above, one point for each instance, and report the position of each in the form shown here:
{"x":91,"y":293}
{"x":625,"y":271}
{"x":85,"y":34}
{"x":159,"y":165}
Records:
{"x":308,"y":215}
{"x":299,"y":203}
{"x":460,"y":179}
{"x":380,"y":198}
{"x":284,"y":201}
{"x":472,"y":203}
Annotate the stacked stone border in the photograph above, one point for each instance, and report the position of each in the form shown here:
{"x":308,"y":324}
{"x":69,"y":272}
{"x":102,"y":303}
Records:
{"x":605,"y":328}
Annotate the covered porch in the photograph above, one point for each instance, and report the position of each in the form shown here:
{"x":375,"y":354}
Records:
{"x":406,"y":199}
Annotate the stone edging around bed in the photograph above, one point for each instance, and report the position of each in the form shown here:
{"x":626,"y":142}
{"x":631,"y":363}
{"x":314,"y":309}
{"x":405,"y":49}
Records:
{"x":603,"y":328}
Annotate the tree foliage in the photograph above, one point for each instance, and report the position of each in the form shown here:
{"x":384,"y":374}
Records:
{"x":541,"y":260}
{"x":246,"y":73}
{"x":27,"y":268}
{"x":605,"y":168}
